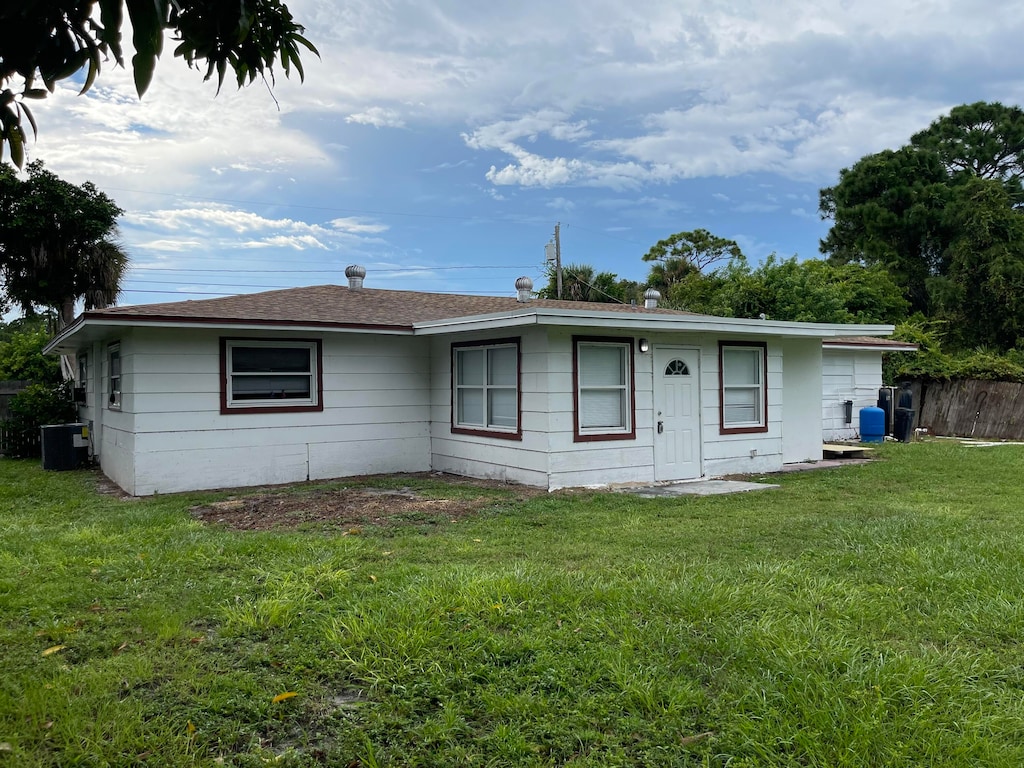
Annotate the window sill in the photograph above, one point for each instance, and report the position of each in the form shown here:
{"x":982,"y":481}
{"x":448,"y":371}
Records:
{"x":743,"y":430}
{"x":481,"y":432}
{"x":304,"y":408}
{"x":593,"y":437}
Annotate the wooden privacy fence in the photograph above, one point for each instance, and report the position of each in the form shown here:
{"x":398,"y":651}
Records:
{"x":9,"y":389}
{"x":11,"y":443}
{"x":970,"y":408}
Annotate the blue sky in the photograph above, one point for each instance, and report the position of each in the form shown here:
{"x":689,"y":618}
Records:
{"x":438,"y":143}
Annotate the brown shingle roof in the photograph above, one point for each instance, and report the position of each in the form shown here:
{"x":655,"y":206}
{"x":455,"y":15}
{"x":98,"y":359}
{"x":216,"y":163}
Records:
{"x":337,"y":305}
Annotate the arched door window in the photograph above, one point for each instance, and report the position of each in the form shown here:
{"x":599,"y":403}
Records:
{"x":677,"y":368}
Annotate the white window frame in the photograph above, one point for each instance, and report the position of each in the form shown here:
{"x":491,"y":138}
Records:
{"x":313,"y":402}
{"x":626,"y":390}
{"x":81,"y":382}
{"x":114,"y":377}
{"x":731,"y":351}
{"x":488,"y":427}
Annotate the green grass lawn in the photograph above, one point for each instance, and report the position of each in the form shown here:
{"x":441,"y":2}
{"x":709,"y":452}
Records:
{"x":864,"y":616}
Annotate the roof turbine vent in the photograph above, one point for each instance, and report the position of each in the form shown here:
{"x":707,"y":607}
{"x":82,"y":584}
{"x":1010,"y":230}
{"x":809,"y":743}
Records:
{"x":651,"y":298}
{"x":355,"y":275}
{"x":524,"y":288}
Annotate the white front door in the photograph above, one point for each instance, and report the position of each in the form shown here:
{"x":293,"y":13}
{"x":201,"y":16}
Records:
{"x":677,"y":454}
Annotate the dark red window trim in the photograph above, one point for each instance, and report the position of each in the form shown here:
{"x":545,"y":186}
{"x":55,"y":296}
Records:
{"x":722,"y":429}
{"x":590,"y":437}
{"x":457,"y":430}
{"x":318,"y":406}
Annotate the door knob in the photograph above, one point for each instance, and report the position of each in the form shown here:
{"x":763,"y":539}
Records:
{"x":661,"y":427}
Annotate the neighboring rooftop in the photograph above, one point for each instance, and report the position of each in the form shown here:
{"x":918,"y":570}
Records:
{"x":870,"y":342}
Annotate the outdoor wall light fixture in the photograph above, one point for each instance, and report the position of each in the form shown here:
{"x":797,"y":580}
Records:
{"x":643,"y":345}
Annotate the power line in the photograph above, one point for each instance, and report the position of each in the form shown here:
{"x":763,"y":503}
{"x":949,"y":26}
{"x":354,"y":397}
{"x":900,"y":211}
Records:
{"x":595,"y":288}
{"x":185,"y":294}
{"x":326,"y":271}
{"x":605,"y":234}
{"x":212,"y":285}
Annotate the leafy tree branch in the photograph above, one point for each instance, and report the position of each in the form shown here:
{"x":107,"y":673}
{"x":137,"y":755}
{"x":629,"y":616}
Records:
{"x":43,"y":42}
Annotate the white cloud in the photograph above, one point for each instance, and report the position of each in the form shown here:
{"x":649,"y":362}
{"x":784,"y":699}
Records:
{"x":560,"y":204}
{"x":214,"y":216}
{"x":170,"y":245}
{"x":355,"y":225}
{"x":504,"y":134}
{"x":296,"y":242}
{"x":378,"y":117}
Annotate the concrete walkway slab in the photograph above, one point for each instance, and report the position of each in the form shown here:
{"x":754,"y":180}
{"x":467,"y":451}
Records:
{"x":697,"y":488}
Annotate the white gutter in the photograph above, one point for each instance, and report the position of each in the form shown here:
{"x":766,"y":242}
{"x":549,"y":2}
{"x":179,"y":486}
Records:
{"x":82,"y":324}
{"x":873,"y":347}
{"x":647,"y":322}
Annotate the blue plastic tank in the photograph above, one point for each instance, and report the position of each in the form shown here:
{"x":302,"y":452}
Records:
{"x":872,"y":425}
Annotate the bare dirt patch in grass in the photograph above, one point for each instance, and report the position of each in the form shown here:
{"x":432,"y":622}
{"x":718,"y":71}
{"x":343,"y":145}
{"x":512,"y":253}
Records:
{"x":348,"y":509}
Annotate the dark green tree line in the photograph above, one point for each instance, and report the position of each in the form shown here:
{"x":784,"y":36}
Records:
{"x":943,"y":216}
{"x":782,"y":289}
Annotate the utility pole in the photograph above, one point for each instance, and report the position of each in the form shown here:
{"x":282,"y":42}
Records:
{"x":558,"y":260}
{"x":553,"y":253}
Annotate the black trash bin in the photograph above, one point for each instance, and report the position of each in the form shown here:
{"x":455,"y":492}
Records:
{"x":65,"y":446}
{"x":903,"y":424}
{"x":885,"y":403}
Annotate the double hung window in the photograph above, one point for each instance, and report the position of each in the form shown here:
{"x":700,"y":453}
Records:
{"x":114,"y":376}
{"x":743,"y":394}
{"x":603,"y":373}
{"x":485,"y":388}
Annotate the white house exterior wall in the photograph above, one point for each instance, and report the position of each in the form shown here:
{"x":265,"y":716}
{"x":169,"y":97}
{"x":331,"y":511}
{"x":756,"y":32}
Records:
{"x":548,"y":455}
{"x":523,"y":461}
{"x":387,"y":408}
{"x":116,"y":437}
{"x":632,"y":461}
{"x":801,"y":385}
{"x":601,"y":462}
{"x":848,"y":374}
{"x":375,"y":417}
{"x":741,"y":453}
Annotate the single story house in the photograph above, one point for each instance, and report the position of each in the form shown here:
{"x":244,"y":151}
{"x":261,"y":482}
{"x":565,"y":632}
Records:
{"x":851,"y":370}
{"x":329,"y":381}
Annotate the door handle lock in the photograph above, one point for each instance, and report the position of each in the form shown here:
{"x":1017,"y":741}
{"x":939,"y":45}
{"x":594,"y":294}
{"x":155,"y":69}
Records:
{"x":661,"y":427}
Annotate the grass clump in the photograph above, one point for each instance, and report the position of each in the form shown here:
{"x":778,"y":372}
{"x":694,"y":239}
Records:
{"x":869,"y":615}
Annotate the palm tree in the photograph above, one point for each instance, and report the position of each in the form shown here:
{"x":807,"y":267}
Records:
{"x":58,"y":243}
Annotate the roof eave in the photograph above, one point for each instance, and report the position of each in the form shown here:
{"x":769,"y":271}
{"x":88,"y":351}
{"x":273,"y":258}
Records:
{"x":55,"y":345}
{"x":648,"y":322}
{"x":61,"y":343}
{"x":90,"y":327}
{"x":873,"y":347}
